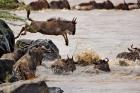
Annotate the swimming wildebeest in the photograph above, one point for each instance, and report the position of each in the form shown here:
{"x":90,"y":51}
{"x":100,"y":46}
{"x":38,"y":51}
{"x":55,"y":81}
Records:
{"x":50,"y":27}
{"x":7,"y":40}
{"x":122,"y":6}
{"x":63,"y":65}
{"x":25,"y":67}
{"x":38,"y":5}
{"x":102,"y":65}
{"x":133,"y":54}
{"x":6,"y":68}
{"x":61,"y":4}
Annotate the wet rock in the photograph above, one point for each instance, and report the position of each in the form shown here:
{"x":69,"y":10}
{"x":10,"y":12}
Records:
{"x":7,"y":40}
{"x":53,"y":50}
{"x":40,"y":87}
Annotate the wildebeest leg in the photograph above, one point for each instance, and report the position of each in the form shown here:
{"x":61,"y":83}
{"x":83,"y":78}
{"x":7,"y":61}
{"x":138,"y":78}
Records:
{"x":23,"y":29}
{"x":66,"y":39}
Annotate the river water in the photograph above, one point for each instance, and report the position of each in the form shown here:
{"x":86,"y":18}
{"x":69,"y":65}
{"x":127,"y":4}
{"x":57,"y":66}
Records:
{"x":107,"y":32}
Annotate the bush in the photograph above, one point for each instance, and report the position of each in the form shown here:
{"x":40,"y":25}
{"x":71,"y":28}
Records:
{"x":10,"y":16}
{"x":9,"y":4}
{"x":87,"y":57}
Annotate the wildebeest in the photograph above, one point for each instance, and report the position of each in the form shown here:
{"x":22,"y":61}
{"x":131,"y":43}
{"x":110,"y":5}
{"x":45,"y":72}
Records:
{"x":133,"y":54}
{"x":94,"y":5}
{"x":102,"y":65}
{"x":108,"y":4}
{"x":50,"y":27}
{"x":61,"y":4}
{"x":25,"y":67}
{"x":6,"y":68}
{"x":85,"y":6}
{"x":52,"y":55}
{"x":38,"y":5}
{"x":7,"y":40}
{"x":63,"y":65}
{"x":122,"y":6}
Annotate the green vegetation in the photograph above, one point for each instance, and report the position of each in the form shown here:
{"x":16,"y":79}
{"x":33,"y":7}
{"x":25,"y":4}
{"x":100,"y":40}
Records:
{"x":9,"y":4}
{"x":10,"y":16}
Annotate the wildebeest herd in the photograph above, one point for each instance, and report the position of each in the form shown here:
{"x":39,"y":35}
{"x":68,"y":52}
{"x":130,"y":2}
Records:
{"x":19,"y":60}
{"x":64,"y":4}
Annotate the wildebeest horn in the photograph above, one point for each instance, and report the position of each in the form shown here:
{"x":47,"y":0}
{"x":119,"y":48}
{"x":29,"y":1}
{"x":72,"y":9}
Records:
{"x":132,"y":46}
{"x":67,"y":56}
{"x":72,"y":57}
{"x":130,"y":49}
{"x":74,"y":19}
{"x":106,"y":59}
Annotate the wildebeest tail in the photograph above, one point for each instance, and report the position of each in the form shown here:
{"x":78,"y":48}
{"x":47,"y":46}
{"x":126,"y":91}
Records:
{"x":28,"y":14}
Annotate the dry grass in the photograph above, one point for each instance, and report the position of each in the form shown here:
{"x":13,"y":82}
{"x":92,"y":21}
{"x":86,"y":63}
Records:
{"x":87,"y":57}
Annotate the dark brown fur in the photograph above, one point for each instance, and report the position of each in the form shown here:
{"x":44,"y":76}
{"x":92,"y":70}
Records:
{"x":122,"y":6}
{"x":62,"y":4}
{"x":63,"y":65}
{"x":102,"y":65}
{"x":38,"y":5}
{"x":138,"y":3}
{"x":133,"y":54}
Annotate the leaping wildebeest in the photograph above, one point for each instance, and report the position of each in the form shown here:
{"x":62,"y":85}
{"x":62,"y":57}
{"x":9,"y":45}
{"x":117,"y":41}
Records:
{"x":50,"y":27}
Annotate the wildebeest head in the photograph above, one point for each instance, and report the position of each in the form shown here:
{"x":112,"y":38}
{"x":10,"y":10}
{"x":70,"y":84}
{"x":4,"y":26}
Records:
{"x":70,"y":64}
{"x":102,"y":65}
{"x":135,"y":49}
{"x":37,"y":51}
